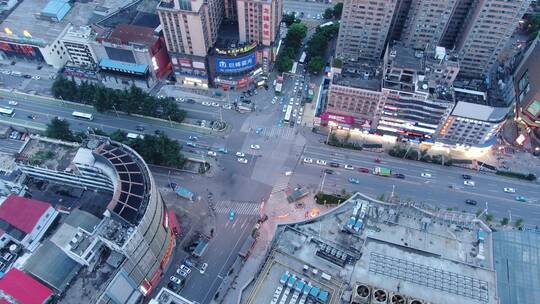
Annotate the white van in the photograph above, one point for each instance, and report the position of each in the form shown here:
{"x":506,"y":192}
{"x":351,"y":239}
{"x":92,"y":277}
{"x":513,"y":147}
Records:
{"x":134,"y":136}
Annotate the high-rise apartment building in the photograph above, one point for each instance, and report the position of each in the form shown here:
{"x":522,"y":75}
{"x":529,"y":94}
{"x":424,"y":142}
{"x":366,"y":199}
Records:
{"x":365,"y":26}
{"x":486,"y":32}
{"x":190,"y":28}
{"x":426,"y":22}
{"x":258,"y":20}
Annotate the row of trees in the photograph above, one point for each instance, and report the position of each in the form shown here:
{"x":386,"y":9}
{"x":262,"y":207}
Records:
{"x":422,"y":155}
{"x":333,"y":12}
{"x":291,"y":44}
{"x":532,"y":25}
{"x":158,"y":150}
{"x":132,"y":101}
{"x":317,"y":46}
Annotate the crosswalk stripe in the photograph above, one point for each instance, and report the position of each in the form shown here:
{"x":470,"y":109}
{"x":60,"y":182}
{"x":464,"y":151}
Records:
{"x":244,"y":208}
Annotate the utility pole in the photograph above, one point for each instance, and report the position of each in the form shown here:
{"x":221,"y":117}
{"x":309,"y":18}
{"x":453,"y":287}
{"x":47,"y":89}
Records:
{"x":115,"y":111}
{"x":170,"y":122}
{"x":392,"y":195}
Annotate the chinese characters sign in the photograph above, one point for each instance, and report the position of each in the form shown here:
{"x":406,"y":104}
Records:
{"x":239,"y":64}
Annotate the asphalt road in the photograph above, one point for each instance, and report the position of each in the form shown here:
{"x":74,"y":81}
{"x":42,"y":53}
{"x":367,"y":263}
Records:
{"x":435,"y":190}
{"x":309,"y":8}
{"x":108,"y":122}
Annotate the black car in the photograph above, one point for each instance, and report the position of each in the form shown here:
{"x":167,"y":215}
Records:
{"x":189,"y":100}
{"x":139,"y":128}
{"x":471,"y":202}
{"x":335,"y":165}
{"x":158,"y":132}
{"x":399,"y":175}
{"x":328,"y":171}
{"x":465,"y":176}
{"x":27,"y":76}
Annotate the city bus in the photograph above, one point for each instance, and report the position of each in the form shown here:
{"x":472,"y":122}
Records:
{"x":7,"y":111}
{"x":288,"y":114}
{"x":302,"y":58}
{"x":294,"y":66}
{"x":82,"y":115}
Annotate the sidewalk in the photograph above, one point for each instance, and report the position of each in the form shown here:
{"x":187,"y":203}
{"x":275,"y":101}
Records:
{"x":279,"y":211}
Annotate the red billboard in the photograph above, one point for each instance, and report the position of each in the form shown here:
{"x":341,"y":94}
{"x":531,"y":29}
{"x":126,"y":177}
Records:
{"x":342,"y":119}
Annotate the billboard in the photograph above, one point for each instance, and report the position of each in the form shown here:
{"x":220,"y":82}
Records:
{"x":235,"y":65}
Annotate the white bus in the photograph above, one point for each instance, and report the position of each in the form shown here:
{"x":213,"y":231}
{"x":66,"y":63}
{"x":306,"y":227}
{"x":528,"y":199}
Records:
{"x":294,"y":66}
{"x":134,"y":136}
{"x":7,"y":111}
{"x":82,"y":115}
{"x":302,"y":58}
{"x":288,"y":114}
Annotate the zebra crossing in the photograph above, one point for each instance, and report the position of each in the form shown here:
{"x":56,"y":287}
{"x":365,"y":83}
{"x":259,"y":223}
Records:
{"x":239,"y":207}
{"x":277,"y":132}
{"x":281,"y":184}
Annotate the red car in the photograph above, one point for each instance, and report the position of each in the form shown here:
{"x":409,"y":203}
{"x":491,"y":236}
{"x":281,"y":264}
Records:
{"x":363,"y":170}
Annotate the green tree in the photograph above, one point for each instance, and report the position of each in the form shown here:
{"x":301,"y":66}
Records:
{"x":489,"y":217}
{"x":64,"y":88}
{"x":337,"y":63}
{"x":289,"y":19}
{"x":284,"y":63}
{"x":159,"y":150}
{"x":295,"y":34}
{"x":102,"y":100}
{"x":338,"y":9}
{"x":119,"y":135}
{"x":519,"y":223}
{"x":316,"y":46}
{"x":328,"y":13}
{"x":59,"y":129}
{"x":504,"y":221}
{"x":316,"y":65}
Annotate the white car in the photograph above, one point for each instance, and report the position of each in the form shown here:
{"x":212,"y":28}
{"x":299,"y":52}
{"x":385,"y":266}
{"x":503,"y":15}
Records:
{"x":227,"y":106}
{"x":215,"y":104}
{"x":308,"y":160}
{"x":212,"y":153}
{"x":176,"y":280}
{"x":13,"y":103}
{"x":426,"y":175}
{"x":6,"y":72}
{"x":349,"y":167}
{"x":321,"y":162}
{"x":161,"y":96}
{"x":206,"y":103}
{"x":242,"y":160}
{"x":509,"y":190}
{"x":181,"y":272}
{"x":180,"y":99}
{"x":36,"y":77}
{"x":468,"y":183}
{"x":203,"y":268}
{"x":240,"y":154}
{"x":296,"y":103}
{"x":185,"y":268}
{"x":284,"y":110}
{"x":299,"y":120}
{"x":255,"y":147}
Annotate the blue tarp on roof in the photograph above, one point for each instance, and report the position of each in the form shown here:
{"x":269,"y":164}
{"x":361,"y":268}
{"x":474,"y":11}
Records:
{"x":124,"y":67}
{"x":56,"y":9}
{"x":314,"y":292}
{"x":481,"y":235}
{"x":323,"y":296}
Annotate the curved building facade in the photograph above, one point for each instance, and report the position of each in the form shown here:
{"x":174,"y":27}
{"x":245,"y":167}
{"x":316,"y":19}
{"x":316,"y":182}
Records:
{"x":136,"y":220}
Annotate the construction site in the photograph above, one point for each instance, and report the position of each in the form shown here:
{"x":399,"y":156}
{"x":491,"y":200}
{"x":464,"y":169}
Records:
{"x":367,"y":251}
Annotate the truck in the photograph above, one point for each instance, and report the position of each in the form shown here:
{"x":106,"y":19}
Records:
{"x":297,"y":194}
{"x":382,"y":171}
{"x":183,"y":192}
{"x":200,"y":248}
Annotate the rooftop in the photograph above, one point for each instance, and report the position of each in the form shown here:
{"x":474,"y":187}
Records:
{"x":479,"y":112}
{"x":48,"y":153}
{"x":126,"y":34}
{"x":517,"y":256}
{"x":23,"y":288}
{"x":52,"y":266}
{"x":27,"y":17}
{"x":363,"y":75}
{"x":21,"y":213}
{"x":404,"y":249}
